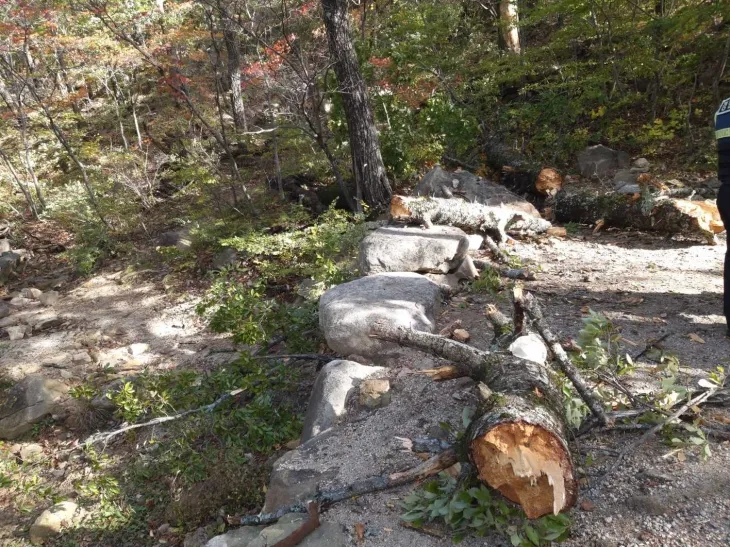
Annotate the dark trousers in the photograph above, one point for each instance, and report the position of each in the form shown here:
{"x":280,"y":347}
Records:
{"x":723,"y":204}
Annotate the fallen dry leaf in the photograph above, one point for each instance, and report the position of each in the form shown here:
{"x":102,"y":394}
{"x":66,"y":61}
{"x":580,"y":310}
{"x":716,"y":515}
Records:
{"x":360,"y":532}
{"x":587,"y":505}
{"x":599,"y":225}
{"x":585,"y":309}
{"x":557,"y":231}
{"x":695,"y":338}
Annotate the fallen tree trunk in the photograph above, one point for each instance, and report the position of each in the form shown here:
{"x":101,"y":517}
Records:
{"x":518,"y":443}
{"x":639,"y":211}
{"x":473,"y":217}
{"x":524,"y":177}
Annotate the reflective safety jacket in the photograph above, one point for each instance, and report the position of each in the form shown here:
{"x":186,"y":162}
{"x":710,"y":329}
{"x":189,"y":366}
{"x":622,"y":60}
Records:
{"x":722,"y":134}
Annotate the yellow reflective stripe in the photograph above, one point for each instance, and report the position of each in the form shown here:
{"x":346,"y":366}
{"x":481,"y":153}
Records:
{"x":722,"y":133}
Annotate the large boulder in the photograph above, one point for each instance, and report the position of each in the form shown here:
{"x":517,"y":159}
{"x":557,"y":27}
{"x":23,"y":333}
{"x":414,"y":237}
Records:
{"x":180,"y":238}
{"x":327,"y":534}
{"x":52,"y":521}
{"x":27,"y":403}
{"x":600,"y":161}
{"x":439,"y":183}
{"x":347,"y":311}
{"x":331,"y":389}
{"x":300,"y":473}
{"x":439,"y":249}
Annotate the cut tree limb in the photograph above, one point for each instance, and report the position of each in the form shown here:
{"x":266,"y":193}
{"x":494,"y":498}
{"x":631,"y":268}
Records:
{"x":324,"y":498}
{"x":465,"y":215}
{"x":532,"y":309}
{"x":309,"y":526}
{"x":645,"y":212}
{"x":518,"y":444}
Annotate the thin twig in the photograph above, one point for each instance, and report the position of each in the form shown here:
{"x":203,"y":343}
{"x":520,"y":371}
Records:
{"x":377,"y":483}
{"x":651,"y":432}
{"x":532,"y":309}
{"x":108,"y":435}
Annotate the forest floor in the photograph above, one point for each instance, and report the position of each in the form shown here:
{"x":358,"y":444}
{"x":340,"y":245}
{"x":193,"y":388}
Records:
{"x":647,"y":285}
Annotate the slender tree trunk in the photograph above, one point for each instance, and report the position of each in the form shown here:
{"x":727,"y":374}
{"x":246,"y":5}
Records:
{"x":370,"y":176}
{"x":337,"y":173}
{"x":21,"y":185}
{"x":233,"y":68}
{"x":28,"y":160}
{"x":136,"y":122}
{"x":509,"y":19}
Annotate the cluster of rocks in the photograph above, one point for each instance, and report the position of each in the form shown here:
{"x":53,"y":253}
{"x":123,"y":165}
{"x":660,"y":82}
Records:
{"x":43,"y":317}
{"x":627,"y":177}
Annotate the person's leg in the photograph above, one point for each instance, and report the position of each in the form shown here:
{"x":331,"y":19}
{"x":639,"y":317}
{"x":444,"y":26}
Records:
{"x":723,"y":205}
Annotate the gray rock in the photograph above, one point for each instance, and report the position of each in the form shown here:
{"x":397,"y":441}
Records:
{"x":530,"y":347}
{"x":444,"y":184}
{"x":328,"y":534}
{"x":196,"y":538}
{"x":294,"y":478}
{"x":16,"y":333}
{"x":624,"y":177}
{"x":65,"y":514}
{"x":176,"y":238}
{"x":329,"y":394}
{"x":225,"y":258}
{"x":49,"y":298}
{"x":467,"y":270}
{"x":640,"y":165}
{"x":4,"y":309}
{"x":410,"y":249}
{"x":20,"y":302}
{"x":240,"y":537}
{"x":647,"y":505}
{"x":32,"y":452}
{"x":27,"y":403}
{"x":629,"y":189}
{"x":5,"y":246}
{"x":47,"y":322}
{"x":31,"y":293}
{"x":475,"y":241}
{"x":599,"y":161}
{"x":9,"y":321}
{"x":347,"y":311}
{"x":713,"y":183}
{"x":374,"y":393}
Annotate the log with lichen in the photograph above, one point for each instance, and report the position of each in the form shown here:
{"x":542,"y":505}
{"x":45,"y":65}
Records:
{"x":641,"y":211}
{"x":518,"y":443}
{"x":474,"y":217}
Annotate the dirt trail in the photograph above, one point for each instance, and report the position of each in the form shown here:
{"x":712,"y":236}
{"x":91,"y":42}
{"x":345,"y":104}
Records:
{"x":647,"y":285}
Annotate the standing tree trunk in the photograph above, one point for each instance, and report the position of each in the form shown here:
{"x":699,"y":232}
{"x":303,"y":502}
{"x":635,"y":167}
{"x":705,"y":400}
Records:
{"x":233,"y":68}
{"x":370,"y":176}
{"x":509,"y":19}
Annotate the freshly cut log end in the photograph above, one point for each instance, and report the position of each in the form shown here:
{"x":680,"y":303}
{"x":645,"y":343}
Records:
{"x":529,"y":465}
{"x":549,"y":182}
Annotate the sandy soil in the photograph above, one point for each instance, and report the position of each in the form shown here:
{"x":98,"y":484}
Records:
{"x":647,"y":285}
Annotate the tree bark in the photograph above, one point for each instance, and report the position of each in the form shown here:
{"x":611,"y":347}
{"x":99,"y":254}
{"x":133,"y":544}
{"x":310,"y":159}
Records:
{"x":370,"y":176}
{"x":518,"y":444}
{"x":466,"y":215}
{"x":672,"y":216}
{"x":21,"y":185}
{"x":509,"y":17}
{"x":233,"y":68}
